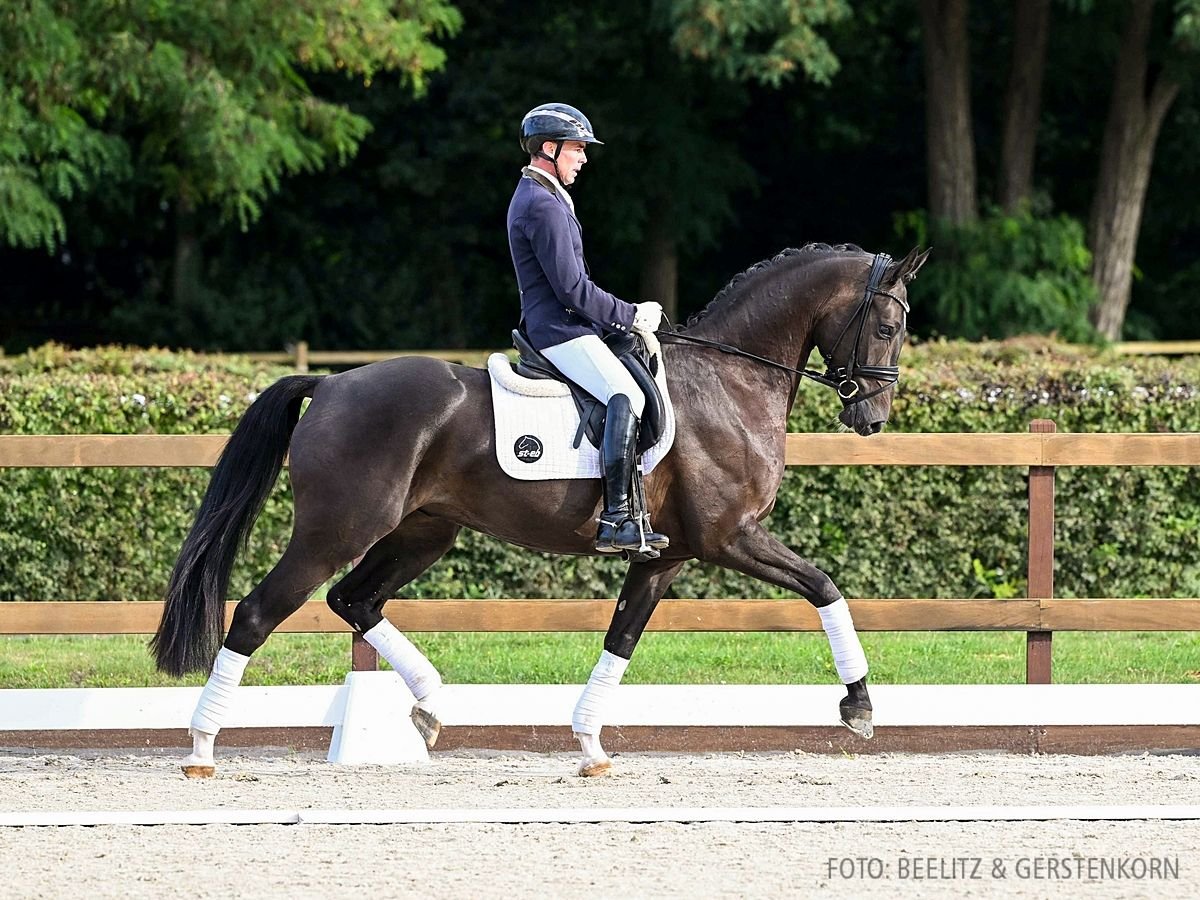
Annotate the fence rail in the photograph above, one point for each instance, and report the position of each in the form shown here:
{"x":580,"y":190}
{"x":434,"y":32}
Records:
{"x":891,"y":614}
{"x":1034,"y":449}
{"x":1158,"y":348}
{"x":301,"y":357}
{"x":1039,"y":615}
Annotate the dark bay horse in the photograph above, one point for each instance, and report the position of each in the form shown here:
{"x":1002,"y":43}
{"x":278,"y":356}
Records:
{"x":392,"y":459}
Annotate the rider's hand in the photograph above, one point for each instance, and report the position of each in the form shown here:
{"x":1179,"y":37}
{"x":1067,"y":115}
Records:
{"x":648,"y":317}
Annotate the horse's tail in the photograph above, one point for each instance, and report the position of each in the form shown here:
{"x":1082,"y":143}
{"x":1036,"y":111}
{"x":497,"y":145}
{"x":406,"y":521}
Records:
{"x":193,"y":620}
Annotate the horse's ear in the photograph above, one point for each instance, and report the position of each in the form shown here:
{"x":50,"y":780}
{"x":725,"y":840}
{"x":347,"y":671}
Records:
{"x":908,"y":267}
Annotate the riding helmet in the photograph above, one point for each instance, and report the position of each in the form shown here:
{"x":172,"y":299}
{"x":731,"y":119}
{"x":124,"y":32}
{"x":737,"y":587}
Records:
{"x":555,"y":122}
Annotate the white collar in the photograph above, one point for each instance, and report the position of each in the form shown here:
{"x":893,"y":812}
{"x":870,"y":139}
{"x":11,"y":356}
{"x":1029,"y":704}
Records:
{"x":554,"y":182}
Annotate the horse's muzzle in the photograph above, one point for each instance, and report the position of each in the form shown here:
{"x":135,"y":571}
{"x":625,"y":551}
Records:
{"x":856,"y":417}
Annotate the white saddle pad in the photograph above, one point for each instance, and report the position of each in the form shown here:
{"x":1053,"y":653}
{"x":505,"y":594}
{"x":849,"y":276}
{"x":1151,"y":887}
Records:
{"x":536,"y":421}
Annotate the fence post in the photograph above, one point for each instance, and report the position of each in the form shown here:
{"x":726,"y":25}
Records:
{"x":1041,"y":558}
{"x":363,"y":657}
{"x":302,"y":356}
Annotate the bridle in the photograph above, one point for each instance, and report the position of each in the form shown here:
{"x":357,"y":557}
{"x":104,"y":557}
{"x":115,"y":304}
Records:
{"x":840,"y":378}
{"x":844,"y":376}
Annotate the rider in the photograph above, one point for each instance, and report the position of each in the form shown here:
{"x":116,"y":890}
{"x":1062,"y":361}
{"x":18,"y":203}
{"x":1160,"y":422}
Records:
{"x":564,"y":313}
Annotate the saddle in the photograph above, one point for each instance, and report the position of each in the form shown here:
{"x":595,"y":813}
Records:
{"x":631,"y":351}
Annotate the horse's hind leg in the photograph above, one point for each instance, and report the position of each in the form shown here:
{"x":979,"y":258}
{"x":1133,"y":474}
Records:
{"x":645,"y":583}
{"x":755,"y":552}
{"x":285,"y":589}
{"x":391,"y":563}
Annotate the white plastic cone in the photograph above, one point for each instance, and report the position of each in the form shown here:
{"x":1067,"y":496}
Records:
{"x":377,"y":727}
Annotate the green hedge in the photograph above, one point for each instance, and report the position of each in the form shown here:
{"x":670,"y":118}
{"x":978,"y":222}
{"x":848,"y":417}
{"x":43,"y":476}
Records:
{"x":879,"y":531}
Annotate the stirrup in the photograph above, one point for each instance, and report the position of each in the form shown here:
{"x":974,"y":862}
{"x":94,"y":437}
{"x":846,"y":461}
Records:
{"x":630,"y":537}
{"x":652,"y":537}
{"x":637,"y":556}
{"x":617,"y":535}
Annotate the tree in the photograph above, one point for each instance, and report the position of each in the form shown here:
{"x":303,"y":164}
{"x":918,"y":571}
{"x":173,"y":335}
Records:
{"x":200,"y":106}
{"x":682,"y":155}
{"x":950,"y":146}
{"x":1145,"y":85}
{"x":1023,"y":103}
{"x":728,"y":37}
{"x":762,"y":41}
{"x":705,"y":170}
{"x":406,"y":247}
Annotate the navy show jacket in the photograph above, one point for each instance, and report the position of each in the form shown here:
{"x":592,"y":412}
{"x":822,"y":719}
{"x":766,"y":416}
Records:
{"x":559,"y":300}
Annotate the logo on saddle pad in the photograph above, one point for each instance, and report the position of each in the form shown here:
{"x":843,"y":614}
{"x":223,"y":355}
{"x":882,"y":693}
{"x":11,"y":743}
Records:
{"x":528,"y":449}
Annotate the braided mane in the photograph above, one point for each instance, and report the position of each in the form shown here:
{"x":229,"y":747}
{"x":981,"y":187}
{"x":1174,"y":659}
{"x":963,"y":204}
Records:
{"x":763,"y":266}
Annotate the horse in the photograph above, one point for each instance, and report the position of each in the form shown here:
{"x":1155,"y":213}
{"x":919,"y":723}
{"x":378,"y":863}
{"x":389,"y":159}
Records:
{"x":391,"y":460}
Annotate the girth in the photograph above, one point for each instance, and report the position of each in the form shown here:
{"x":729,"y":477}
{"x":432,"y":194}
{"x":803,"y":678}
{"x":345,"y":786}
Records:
{"x":631,"y":351}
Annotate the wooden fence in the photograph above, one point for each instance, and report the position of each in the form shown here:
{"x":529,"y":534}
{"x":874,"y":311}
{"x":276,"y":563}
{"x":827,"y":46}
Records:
{"x":300,"y":357}
{"x":1039,"y":615}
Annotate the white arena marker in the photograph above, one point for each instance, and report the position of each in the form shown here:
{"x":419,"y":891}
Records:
{"x":633,"y":704}
{"x":632,"y":815}
{"x":377,"y":728}
{"x":648,"y":815}
{"x":152,"y":817}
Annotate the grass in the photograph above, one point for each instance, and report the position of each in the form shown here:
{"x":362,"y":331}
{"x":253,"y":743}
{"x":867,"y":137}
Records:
{"x":708,"y":658}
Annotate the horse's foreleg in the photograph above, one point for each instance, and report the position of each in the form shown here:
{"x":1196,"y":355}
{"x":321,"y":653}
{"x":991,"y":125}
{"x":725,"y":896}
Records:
{"x":755,"y":552}
{"x":391,"y":563}
{"x":851,"y":664}
{"x":645,"y":583}
{"x":279,"y":595}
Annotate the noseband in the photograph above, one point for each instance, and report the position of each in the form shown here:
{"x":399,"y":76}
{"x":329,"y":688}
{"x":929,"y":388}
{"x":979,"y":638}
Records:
{"x":840,"y":378}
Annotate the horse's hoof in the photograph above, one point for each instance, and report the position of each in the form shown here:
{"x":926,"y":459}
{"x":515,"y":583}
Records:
{"x":199,"y":771}
{"x":858,"y":721}
{"x":591,"y":768}
{"x":638,"y":556}
{"x":428,"y":726}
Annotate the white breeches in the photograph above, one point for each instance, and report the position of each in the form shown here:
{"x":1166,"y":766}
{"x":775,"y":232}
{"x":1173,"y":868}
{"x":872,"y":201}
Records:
{"x":590,"y":364}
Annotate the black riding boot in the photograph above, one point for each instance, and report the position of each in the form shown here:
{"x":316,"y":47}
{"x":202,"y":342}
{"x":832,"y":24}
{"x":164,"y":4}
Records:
{"x":620,"y":527}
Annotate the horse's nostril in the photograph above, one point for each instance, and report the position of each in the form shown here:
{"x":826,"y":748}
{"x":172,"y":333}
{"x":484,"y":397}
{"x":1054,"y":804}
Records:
{"x":876,"y":427}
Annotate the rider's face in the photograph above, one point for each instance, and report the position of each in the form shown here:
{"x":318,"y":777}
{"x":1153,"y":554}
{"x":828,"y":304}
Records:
{"x":570,"y":159}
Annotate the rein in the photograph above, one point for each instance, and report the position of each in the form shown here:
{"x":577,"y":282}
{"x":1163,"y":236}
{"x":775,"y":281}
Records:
{"x":840,"y":378}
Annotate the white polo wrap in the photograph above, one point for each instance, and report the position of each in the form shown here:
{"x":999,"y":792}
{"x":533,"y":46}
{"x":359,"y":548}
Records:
{"x":217,"y":697}
{"x":593,"y":703}
{"x":848,"y":656}
{"x":403,"y":656}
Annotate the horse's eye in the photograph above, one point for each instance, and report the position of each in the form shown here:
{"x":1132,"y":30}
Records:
{"x":886,"y":331}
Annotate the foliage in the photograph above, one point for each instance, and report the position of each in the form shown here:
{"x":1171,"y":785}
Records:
{"x":730,"y":37}
{"x":408,"y":247}
{"x":879,"y":531}
{"x":207,"y":102}
{"x":405,"y":246}
{"x":1003,"y":275}
{"x":112,"y":533}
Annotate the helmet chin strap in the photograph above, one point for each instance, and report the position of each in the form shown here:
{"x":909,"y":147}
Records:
{"x":558,"y":145}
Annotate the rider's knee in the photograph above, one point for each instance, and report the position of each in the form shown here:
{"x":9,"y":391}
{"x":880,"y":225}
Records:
{"x":635,"y":398}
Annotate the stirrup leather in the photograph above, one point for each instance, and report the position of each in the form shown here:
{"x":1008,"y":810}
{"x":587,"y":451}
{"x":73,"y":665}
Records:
{"x":624,"y":525}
